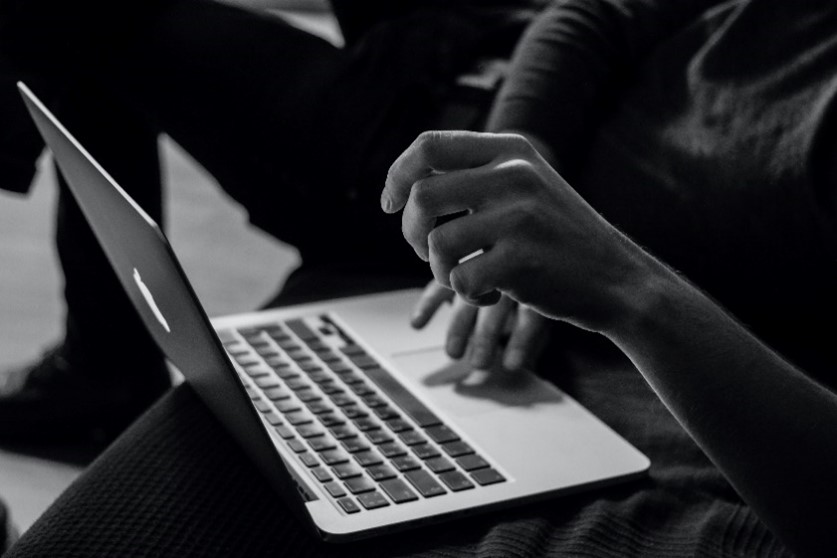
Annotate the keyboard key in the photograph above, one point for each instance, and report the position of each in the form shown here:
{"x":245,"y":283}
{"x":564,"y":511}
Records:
{"x":297,"y":384}
{"x":402,"y":398}
{"x":487,"y":476}
{"x":441,"y":434}
{"x":298,"y":417}
{"x":330,"y":420}
{"x":319,"y":407}
{"x":354,"y":445}
{"x":412,"y":438}
{"x":266,"y":350}
{"x":297,"y":446}
{"x":277,"y":394}
{"x":363,"y":361}
{"x":321,"y":474}
{"x":373,"y":400}
{"x":332,"y":389}
{"x":320,"y":377}
{"x":301,"y":329}
{"x":257,"y":372}
{"x":335,"y":489}
{"x":227,"y":336}
{"x":322,"y":444}
{"x":392,"y":449}
{"x":307,"y":395}
{"x":266,"y":382}
{"x":285,"y":432}
{"x":405,"y":463}
{"x":299,"y":356}
{"x":398,"y":491}
{"x":316,"y":345}
{"x":310,"y":430}
{"x":439,"y":465}
{"x":385,"y":412}
{"x":359,"y":485}
{"x":354,"y":412}
{"x":425,"y":451}
{"x":348,"y":505}
{"x":327,"y":355}
{"x":309,"y":460}
{"x":287,"y":373}
{"x":351,"y":378}
{"x":366,"y":424}
{"x":455,"y":449}
{"x":288,"y":345}
{"x":425,"y":483}
{"x":353,"y":350}
{"x":273,"y":418}
{"x":398,"y":425}
{"x":372,"y":500}
{"x":341,"y":399}
{"x":381,"y":472}
{"x":263,"y":406}
{"x":342,"y":432}
{"x":456,"y":481}
{"x":339,"y":367}
{"x":277,"y":362}
{"x":360,"y":389}
{"x":310,"y":368}
{"x":287,"y":406}
{"x":378,"y":437}
{"x":334,"y":457}
{"x":368,"y":458}
{"x":471,"y":462}
{"x":345,"y":471}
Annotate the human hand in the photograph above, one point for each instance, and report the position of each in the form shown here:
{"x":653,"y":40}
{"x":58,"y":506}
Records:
{"x":513,"y":334}
{"x":538,"y":241}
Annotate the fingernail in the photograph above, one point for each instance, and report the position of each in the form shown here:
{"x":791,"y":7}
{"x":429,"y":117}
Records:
{"x":455,"y":346}
{"x":513,"y":359}
{"x":386,"y":204}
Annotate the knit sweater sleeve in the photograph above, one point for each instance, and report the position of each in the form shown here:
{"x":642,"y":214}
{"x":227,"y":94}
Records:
{"x":572,"y":62}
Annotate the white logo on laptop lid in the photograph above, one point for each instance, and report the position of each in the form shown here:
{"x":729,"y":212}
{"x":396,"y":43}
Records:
{"x":149,"y":299}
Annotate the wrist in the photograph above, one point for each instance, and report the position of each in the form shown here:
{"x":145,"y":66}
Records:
{"x":644,"y":295}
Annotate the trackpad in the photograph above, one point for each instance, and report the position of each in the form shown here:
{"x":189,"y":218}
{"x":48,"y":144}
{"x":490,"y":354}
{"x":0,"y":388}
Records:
{"x":463,"y":391}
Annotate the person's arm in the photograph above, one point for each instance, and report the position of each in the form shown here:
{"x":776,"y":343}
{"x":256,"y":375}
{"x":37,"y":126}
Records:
{"x":573,"y":61}
{"x":767,"y":426}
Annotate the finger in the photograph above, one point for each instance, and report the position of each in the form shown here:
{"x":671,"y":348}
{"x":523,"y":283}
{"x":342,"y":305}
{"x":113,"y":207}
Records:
{"x":442,"y":151}
{"x":439,"y":196}
{"x":461,"y":325}
{"x":485,"y":341}
{"x":455,"y":242}
{"x":478,"y":279}
{"x":433,"y":296}
{"x":527,"y":339}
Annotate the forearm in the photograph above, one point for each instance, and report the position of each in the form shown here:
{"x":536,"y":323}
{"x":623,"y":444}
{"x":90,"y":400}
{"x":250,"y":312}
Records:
{"x":574,"y":60}
{"x":766,"y":425}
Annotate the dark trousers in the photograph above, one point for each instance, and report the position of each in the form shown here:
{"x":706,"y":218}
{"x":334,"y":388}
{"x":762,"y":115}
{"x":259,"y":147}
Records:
{"x":299,"y":132}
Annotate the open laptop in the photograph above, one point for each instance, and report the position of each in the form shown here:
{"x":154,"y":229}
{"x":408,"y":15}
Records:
{"x":361,"y":423}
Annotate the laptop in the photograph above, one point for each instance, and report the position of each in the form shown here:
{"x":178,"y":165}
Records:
{"x":362,"y":424}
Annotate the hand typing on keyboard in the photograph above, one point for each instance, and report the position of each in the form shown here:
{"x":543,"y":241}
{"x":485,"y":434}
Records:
{"x":506,"y":331}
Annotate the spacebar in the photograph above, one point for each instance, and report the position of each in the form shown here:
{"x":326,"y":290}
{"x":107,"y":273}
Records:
{"x":408,"y":403}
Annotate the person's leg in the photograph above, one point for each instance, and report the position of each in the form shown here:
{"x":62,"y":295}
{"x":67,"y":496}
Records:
{"x":282,"y":119}
{"x":107,"y":370}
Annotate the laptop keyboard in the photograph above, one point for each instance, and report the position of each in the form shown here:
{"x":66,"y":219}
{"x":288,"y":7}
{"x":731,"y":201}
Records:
{"x":368,"y":440}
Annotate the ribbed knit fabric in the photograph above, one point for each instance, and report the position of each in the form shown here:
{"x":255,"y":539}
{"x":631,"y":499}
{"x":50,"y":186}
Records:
{"x":176,"y":484}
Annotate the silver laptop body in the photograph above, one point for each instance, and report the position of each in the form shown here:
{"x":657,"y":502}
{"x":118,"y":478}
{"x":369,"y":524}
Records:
{"x":363,"y":424}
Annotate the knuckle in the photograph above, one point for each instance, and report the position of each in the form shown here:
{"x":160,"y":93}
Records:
{"x":437,"y":241}
{"x":521,"y":145}
{"x":422,"y":195}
